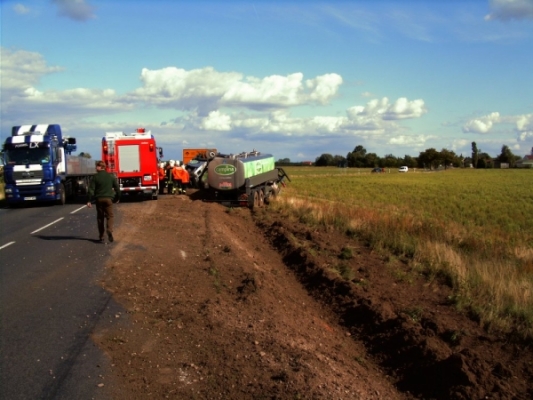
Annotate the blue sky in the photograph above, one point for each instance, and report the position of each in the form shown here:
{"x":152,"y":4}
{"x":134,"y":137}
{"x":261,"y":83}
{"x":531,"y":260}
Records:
{"x":292,"y":78}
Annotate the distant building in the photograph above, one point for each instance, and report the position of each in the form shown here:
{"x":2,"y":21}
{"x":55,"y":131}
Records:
{"x":526,"y":162}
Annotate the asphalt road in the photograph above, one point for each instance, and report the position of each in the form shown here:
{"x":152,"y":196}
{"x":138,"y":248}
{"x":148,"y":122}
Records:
{"x":51,"y":302}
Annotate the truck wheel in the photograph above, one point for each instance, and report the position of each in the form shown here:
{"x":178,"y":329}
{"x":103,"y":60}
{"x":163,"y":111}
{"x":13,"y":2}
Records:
{"x":256,"y":200}
{"x":261,"y":198}
{"x":62,"y":196}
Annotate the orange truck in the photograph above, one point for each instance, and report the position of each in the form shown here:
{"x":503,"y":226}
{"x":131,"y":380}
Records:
{"x":191,"y":154}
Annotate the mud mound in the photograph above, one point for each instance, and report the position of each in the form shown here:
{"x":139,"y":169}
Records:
{"x":228,"y":304}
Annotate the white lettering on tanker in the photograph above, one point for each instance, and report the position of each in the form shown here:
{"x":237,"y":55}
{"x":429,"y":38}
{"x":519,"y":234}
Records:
{"x":225,"y":169}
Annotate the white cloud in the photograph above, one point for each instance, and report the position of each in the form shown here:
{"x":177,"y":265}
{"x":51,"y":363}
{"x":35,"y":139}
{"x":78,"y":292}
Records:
{"x":21,"y":70}
{"x":173,"y":87}
{"x":524,"y":126}
{"x":21,"y":9}
{"x":78,"y":10}
{"x":400,"y":109}
{"x":206,"y":89}
{"x":482,"y":124}
{"x":406,"y":140}
{"x":224,"y":107}
{"x":216,"y":121}
{"x":506,"y":10}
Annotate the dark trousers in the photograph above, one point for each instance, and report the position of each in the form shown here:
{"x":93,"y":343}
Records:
{"x":104,"y":211}
{"x":179,"y":186}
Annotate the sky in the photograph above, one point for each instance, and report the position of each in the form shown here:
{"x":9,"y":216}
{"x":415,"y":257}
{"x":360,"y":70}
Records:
{"x":296,"y":79}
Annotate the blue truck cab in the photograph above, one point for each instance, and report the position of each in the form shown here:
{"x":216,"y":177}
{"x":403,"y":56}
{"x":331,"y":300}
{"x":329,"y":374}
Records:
{"x":39,"y":166}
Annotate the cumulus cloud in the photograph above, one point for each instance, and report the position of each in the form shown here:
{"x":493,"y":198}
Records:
{"x":177,"y":88}
{"x":78,"y":10}
{"x":483,"y":124}
{"x":505,"y":10}
{"x":206,"y":101}
{"x":21,"y":9}
{"x":382,"y":108}
{"x":376,"y":118}
{"x":524,"y":126}
{"x":206,"y":89}
{"x":21,"y":70}
{"x":406,"y":140}
{"x":216,"y":121}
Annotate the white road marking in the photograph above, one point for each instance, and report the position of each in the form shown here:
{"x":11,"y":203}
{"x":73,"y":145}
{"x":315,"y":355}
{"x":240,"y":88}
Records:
{"x":81,"y":208}
{"x":5,"y":245}
{"x":46,"y":226}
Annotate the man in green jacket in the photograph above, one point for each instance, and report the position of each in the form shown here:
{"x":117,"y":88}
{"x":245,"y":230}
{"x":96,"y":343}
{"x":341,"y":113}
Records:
{"x":105,"y":190}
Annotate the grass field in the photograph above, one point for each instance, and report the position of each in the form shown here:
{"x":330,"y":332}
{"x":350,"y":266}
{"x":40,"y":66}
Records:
{"x":472,"y":229}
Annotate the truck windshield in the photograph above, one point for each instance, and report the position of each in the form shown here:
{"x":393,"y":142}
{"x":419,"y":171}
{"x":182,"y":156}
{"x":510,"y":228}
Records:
{"x":27,"y":156}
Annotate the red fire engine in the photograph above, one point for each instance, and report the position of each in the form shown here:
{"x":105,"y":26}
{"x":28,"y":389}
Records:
{"x":134,"y":160}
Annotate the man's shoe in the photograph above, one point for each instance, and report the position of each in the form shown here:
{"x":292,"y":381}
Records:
{"x":110,"y":237}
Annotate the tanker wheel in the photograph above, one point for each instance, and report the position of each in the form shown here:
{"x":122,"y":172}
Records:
{"x":261,"y":198}
{"x":256,"y":200}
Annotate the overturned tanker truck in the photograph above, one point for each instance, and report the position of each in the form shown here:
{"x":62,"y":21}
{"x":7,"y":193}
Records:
{"x":247,"y":179}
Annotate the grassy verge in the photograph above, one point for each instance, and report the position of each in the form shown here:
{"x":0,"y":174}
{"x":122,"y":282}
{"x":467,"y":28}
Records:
{"x":468,"y":228}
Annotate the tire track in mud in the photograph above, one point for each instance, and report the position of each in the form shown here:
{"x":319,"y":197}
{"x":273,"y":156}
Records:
{"x":426,"y":358}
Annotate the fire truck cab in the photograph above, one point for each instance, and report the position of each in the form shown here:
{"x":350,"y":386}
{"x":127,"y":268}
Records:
{"x":134,"y":160}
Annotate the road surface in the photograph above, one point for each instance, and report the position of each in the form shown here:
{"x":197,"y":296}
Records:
{"x":50,"y":302}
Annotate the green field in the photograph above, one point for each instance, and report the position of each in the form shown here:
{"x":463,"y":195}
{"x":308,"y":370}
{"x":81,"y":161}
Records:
{"x":472,"y":229}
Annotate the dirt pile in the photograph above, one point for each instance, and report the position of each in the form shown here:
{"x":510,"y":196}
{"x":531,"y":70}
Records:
{"x":229,"y":304}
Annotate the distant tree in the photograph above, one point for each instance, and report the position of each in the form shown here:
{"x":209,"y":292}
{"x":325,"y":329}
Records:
{"x":324,"y":160}
{"x":475,"y":154}
{"x":283,"y":161}
{"x":484,"y":161}
{"x":340,"y":161}
{"x":372,"y":160}
{"x":356,"y":158}
{"x":507,"y":156}
{"x":409,"y":161}
{"x":86,"y":155}
{"x":448,"y":158}
{"x":430,"y":158}
{"x":390,"y":161}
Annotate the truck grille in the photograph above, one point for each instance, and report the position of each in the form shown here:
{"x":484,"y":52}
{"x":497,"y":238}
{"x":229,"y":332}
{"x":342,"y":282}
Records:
{"x":27,"y":191}
{"x":21,"y":175}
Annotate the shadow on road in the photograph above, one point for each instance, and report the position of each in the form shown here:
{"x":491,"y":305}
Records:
{"x":67,"y":238}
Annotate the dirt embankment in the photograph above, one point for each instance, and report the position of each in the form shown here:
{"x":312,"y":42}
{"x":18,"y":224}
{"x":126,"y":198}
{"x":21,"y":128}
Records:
{"x":229,"y":304}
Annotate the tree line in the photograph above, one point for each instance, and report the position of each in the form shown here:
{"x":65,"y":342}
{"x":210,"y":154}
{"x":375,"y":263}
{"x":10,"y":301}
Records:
{"x":428,"y":159}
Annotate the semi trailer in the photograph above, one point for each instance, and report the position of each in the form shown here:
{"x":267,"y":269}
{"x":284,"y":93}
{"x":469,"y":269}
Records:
{"x":248,"y":179}
{"x":40,"y":167}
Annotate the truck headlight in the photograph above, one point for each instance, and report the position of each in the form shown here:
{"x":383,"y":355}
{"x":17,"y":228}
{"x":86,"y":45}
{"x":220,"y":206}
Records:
{"x":8,"y":190}
{"x":50,"y":188}
{"x":147,"y":177}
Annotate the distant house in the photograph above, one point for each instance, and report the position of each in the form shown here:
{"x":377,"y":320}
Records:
{"x":526,"y":162}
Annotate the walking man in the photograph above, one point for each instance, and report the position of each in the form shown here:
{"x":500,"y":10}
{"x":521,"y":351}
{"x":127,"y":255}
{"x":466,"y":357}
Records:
{"x":105,"y":190}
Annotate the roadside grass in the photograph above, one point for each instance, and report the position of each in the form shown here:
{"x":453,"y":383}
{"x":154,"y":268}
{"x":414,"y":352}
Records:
{"x":469,"y":229}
